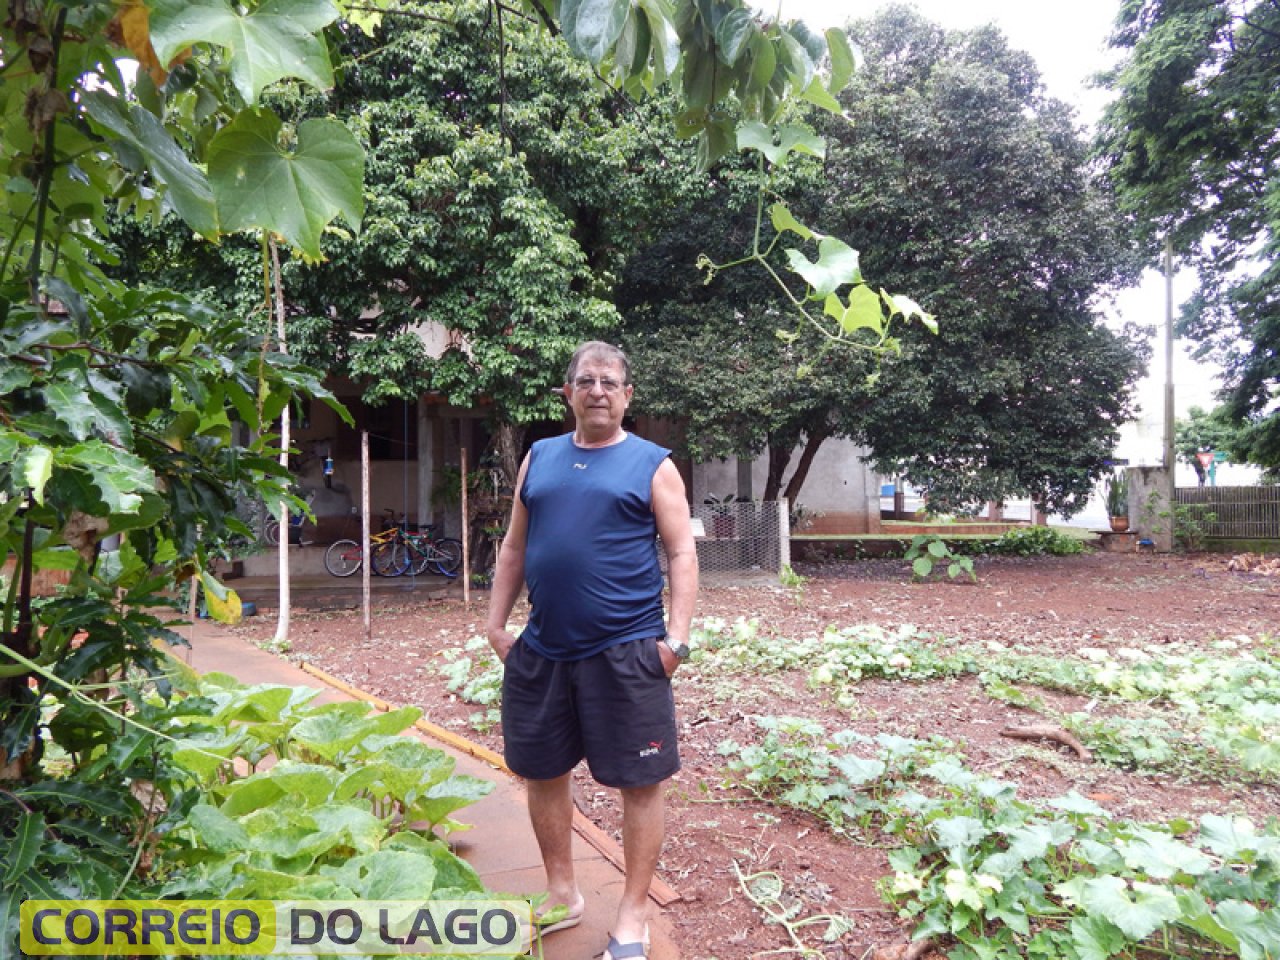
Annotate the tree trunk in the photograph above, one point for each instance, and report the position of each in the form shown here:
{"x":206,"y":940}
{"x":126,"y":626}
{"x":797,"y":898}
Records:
{"x":815,"y":440}
{"x":779,"y":457}
{"x":508,"y":441}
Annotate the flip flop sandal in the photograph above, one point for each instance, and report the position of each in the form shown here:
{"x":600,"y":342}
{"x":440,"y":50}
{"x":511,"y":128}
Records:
{"x":621,"y":951}
{"x":567,"y":923}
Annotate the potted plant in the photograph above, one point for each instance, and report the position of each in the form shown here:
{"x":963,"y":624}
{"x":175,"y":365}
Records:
{"x":1118,"y":501}
{"x":722,"y":515}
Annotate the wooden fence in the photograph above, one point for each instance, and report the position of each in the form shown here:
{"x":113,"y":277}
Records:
{"x":1239,"y":512}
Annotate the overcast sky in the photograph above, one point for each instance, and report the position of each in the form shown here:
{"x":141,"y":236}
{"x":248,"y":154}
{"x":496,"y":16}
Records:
{"x":1067,"y":40}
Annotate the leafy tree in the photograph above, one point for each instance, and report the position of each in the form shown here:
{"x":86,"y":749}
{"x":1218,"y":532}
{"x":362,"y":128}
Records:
{"x":505,"y":185}
{"x":123,"y":407}
{"x":125,"y":410}
{"x":957,"y":176}
{"x":718,"y":367}
{"x":1201,"y":430}
{"x":1191,"y":146}
{"x":500,"y":194}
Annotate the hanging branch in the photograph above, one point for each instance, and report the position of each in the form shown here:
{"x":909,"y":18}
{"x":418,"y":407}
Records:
{"x":503,"y":132}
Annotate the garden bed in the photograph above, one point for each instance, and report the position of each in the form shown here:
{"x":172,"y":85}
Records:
{"x":1021,"y":617}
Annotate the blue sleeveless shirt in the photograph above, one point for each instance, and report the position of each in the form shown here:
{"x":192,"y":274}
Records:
{"x":591,"y":557}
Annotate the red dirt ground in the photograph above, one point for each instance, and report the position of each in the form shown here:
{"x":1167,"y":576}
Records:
{"x":1048,"y":604}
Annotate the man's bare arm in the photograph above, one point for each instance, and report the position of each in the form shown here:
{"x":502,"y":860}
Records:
{"x":671,"y":511}
{"x":508,"y":575}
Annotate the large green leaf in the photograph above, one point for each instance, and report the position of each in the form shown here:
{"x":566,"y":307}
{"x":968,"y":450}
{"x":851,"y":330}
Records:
{"x":70,"y":403}
{"x":1095,"y":938}
{"x":1231,"y":836}
{"x":260,"y":186}
{"x":120,"y":476}
{"x":353,"y":826}
{"x":782,"y":219}
{"x":216,"y":831}
{"x":591,"y":26}
{"x":818,"y":95}
{"x":187,"y":187}
{"x":1258,"y":931}
{"x":1162,"y":856}
{"x":764,"y":61}
{"x":634,"y":44}
{"x":862,"y":312}
{"x":310,"y":784}
{"x":390,"y":875}
{"x":754,"y":135}
{"x":1139,"y":912}
{"x":665,"y":40}
{"x":449,"y":795}
{"x":24,"y":847}
{"x":842,"y":60}
{"x":35,"y":468}
{"x":275,"y":40}
{"x":958,"y":831}
{"x":332,"y":734}
{"x":1197,"y":916}
{"x":733,"y":34}
{"x":837,"y":265}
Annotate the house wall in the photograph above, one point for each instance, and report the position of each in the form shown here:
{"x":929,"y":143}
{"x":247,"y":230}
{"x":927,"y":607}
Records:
{"x":441,"y":433}
{"x":841,"y":492}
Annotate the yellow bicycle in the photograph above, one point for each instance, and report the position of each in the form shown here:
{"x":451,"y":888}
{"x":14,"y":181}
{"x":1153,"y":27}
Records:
{"x":345,"y":557}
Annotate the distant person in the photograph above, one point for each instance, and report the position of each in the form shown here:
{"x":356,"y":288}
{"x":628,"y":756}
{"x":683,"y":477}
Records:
{"x":590,"y":676}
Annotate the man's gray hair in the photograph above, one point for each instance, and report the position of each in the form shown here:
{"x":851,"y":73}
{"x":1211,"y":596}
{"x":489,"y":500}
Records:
{"x":600,"y":350}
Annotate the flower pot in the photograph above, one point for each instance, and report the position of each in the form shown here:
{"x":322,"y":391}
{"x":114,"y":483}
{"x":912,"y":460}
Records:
{"x":1119,"y":524}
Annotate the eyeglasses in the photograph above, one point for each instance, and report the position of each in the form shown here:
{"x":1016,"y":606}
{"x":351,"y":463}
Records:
{"x":607,"y":384}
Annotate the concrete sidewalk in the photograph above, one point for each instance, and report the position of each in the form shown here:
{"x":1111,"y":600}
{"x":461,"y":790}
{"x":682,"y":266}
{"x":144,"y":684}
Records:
{"x":501,"y":846}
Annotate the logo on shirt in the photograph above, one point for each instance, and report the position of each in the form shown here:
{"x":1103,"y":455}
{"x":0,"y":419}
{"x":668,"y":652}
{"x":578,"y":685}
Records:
{"x":653,"y":749}
{"x":579,"y":466}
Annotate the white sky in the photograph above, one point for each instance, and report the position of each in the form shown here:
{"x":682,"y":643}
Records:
{"x":1069,"y":44}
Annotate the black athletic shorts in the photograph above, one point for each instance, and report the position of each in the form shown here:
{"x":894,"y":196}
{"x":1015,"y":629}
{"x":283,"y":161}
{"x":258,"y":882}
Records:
{"x":615,"y":709}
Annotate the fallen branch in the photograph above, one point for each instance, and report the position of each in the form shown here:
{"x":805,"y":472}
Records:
{"x":1056,"y":734}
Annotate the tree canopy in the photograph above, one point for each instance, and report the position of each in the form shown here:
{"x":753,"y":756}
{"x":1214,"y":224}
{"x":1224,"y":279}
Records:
{"x":958,"y":178}
{"x":1203,"y":430}
{"x":1191,"y":144}
{"x":133,"y":409}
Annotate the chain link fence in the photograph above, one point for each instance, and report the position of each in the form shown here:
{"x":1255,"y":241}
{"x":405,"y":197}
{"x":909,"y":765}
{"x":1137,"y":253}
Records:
{"x":746,"y":537}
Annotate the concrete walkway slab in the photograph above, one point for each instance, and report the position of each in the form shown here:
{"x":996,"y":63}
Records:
{"x":501,"y":846}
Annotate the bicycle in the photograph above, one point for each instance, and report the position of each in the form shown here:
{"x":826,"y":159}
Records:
{"x":428,"y":551}
{"x":345,"y":557}
{"x":416,"y":552}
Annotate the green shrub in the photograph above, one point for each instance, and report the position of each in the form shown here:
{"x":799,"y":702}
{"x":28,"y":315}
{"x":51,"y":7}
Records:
{"x":928,"y":550}
{"x":1033,"y":542}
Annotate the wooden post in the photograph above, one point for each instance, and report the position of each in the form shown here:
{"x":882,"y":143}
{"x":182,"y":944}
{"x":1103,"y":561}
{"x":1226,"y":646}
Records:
{"x":364,"y":534}
{"x":466,"y":538}
{"x":282,"y":621}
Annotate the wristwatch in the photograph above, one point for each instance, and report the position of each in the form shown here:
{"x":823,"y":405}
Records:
{"x":681,"y":650}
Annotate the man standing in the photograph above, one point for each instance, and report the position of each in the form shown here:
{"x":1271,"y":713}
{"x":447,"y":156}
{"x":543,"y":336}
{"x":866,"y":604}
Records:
{"x":590,"y":676}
